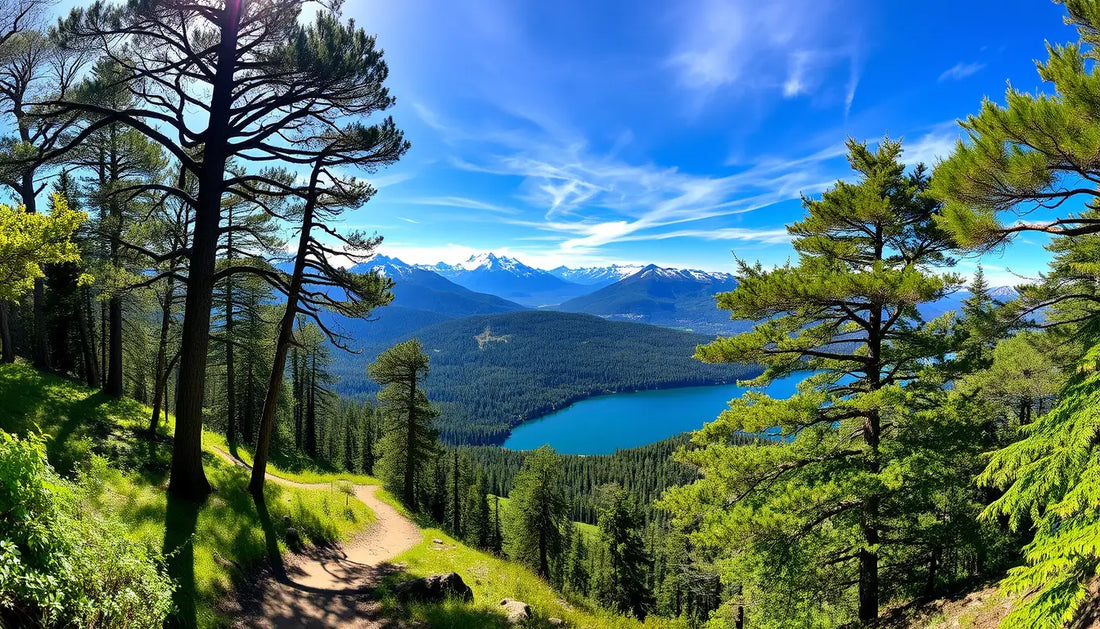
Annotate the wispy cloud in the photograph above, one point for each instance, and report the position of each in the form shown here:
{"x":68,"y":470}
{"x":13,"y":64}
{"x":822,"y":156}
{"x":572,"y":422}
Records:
{"x":961,"y":70}
{"x":723,"y":43}
{"x":933,"y":146}
{"x":462,"y":202}
{"x":595,"y":200}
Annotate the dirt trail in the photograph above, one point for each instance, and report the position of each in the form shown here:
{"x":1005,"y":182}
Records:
{"x":329,"y":587}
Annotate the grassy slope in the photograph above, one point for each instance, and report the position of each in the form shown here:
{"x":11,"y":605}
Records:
{"x":208,"y":545}
{"x":227,"y":538}
{"x":492,"y":579}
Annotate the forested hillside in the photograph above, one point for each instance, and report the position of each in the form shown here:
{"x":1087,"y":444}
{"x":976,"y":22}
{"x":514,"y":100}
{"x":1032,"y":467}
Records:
{"x":490,"y":373}
{"x":646,"y":472}
{"x":187,"y":268}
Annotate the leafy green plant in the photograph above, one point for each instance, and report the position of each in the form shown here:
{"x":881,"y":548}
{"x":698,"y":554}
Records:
{"x":60,"y":566}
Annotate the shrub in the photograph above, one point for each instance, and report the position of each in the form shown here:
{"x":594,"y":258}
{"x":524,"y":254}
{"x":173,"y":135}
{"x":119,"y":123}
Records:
{"x":61,"y":566}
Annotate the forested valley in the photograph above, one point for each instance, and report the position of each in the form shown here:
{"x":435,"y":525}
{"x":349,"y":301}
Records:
{"x":197,"y":423}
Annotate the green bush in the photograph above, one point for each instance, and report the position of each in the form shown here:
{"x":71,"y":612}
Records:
{"x":60,"y":566}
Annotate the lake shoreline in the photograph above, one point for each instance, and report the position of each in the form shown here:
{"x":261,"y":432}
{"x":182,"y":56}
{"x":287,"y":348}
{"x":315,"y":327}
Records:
{"x":603,"y":423}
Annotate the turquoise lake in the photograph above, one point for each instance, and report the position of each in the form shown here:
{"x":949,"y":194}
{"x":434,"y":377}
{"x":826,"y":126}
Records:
{"x":603,"y":424}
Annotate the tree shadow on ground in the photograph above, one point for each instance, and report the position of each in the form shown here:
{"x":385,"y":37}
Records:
{"x":180,"y":519}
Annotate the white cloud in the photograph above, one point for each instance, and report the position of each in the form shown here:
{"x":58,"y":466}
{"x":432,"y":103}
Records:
{"x":796,"y":80}
{"x":932,"y":147}
{"x":459,"y":202}
{"x":961,"y":70}
{"x":722,"y":43}
{"x":591,"y":201}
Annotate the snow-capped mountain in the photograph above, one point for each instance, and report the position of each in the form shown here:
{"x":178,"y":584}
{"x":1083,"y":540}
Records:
{"x":387,"y":266}
{"x":681,"y":298}
{"x":509,"y":278}
{"x":687,"y":275}
{"x":488,"y":262}
{"x":420,"y":298}
{"x":597,"y":276}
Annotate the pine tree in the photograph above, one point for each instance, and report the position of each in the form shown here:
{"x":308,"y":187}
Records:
{"x":479,"y":517}
{"x":1049,"y":480}
{"x":274,"y":89}
{"x":801,"y":519}
{"x":538,"y":511}
{"x":32,"y":66}
{"x":456,"y":500}
{"x":1018,"y":157}
{"x":577,"y":578}
{"x":496,"y":544}
{"x":409,"y":442}
{"x":624,"y":585}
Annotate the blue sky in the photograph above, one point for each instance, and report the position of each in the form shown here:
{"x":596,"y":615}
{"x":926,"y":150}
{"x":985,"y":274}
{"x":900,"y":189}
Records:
{"x":676,"y":133}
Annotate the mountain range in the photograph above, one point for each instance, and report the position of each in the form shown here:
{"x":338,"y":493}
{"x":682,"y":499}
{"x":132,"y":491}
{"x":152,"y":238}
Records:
{"x":426,"y":295}
{"x":677,"y":298}
{"x":510,"y":279}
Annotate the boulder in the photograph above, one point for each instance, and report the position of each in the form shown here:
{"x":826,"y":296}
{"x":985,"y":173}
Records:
{"x":434,"y":589}
{"x":293,"y":537}
{"x":555,"y":622}
{"x":516,"y":611}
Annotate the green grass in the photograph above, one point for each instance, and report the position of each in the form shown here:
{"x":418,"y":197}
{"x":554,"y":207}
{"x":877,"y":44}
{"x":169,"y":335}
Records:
{"x":301,"y":472}
{"x":493,"y":579}
{"x":208,"y":546}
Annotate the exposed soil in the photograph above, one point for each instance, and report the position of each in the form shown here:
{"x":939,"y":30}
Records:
{"x":329,"y":587}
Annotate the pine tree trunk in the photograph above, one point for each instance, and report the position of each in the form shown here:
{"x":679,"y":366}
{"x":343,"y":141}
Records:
{"x":160,"y":375}
{"x":113,"y":385}
{"x":87,"y":340}
{"x":7,"y":349}
{"x":188,"y":478}
{"x":282,"y":345}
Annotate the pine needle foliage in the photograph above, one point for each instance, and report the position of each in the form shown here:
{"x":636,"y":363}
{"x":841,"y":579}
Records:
{"x":801,"y":521}
{"x":1051,"y":480}
{"x":1034,"y":153}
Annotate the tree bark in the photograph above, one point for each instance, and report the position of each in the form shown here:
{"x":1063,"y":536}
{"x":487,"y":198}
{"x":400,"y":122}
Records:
{"x":87,"y":340}
{"x":160,"y":372}
{"x":188,"y":480}
{"x":230,"y":373}
{"x":7,"y":349}
{"x":282,"y":346}
{"x":113,"y":385}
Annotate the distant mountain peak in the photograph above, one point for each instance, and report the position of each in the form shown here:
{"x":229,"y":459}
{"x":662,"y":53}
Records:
{"x":691,"y":275}
{"x":595,"y":275}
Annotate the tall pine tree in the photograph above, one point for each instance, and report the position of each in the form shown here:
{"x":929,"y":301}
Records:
{"x":409,"y":444}
{"x":801,"y":519}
